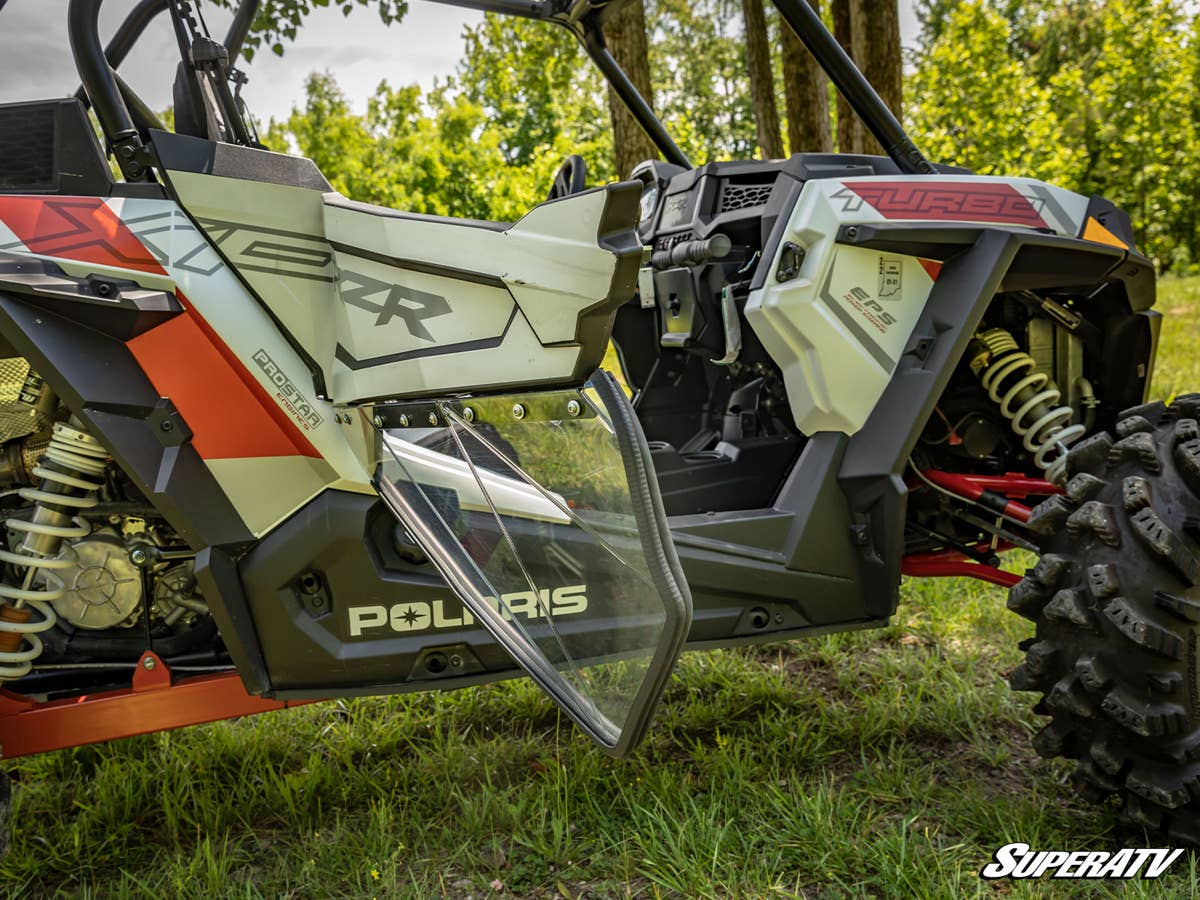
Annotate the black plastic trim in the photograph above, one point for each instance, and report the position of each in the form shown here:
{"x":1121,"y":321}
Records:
{"x":425,"y":268}
{"x":183,"y":153}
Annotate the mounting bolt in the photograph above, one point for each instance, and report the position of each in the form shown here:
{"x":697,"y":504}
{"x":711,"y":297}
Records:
{"x":404,"y":420}
{"x":148,"y":663}
{"x":518,"y":411}
{"x":468,"y":414}
{"x":378,"y":420}
{"x":573,"y":408}
{"x":138,"y":556}
{"x":433,"y":418}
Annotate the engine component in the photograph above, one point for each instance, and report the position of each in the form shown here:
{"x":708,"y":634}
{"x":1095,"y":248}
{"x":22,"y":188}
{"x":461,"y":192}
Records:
{"x":102,"y":588}
{"x":1027,"y":398}
{"x":70,"y":474}
{"x":176,"y":595}
{"x":18,"y":458}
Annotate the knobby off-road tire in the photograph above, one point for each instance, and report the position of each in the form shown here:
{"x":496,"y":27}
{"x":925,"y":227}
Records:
{"x":1116,"y":600}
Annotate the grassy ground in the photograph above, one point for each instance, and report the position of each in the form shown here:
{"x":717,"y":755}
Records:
{"x":887,"y":763}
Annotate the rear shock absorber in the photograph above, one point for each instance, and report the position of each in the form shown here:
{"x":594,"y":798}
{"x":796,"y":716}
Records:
{"x":1027,"y":398}
{"x":71,"y":472}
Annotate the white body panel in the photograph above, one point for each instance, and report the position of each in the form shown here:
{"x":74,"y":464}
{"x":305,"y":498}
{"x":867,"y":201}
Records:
{"x":838,"y":329}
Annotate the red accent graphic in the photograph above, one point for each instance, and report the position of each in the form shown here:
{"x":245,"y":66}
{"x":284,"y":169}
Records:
{"x":950,"y":201}
{"x":79,"y":228}
{"x":231,"y":415}
{"x":932,"y":267}
{"x":152,"y":703}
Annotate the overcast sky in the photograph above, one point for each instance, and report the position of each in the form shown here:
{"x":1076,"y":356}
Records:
{"x":35,"y":59}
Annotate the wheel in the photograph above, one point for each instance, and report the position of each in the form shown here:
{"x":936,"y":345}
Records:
{"x":1116,"y":600}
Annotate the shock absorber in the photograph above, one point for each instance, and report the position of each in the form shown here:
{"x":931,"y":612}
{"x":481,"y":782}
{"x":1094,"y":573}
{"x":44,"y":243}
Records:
{"x":1027,"y":398}
{"x":71,"y":472}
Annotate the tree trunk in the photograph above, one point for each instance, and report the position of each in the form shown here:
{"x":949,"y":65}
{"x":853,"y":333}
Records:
{"x":625,"y":34}
{"x":806,"y":94}
{"x":762,"y":80}
{"x":848,"y":28}
{"x":884,"y":67}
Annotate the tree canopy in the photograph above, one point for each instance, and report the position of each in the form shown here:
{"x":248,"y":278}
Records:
{"x":1099,"y":98}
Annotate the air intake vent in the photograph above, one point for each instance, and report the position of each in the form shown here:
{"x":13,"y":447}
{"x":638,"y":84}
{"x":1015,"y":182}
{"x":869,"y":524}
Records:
{"x":27,"y":147}
{"x":48,"y":147}
{"x":742,"y":196}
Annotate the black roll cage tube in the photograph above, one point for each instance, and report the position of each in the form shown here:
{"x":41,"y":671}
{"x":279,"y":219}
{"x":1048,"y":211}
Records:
{"x":122,"y":113}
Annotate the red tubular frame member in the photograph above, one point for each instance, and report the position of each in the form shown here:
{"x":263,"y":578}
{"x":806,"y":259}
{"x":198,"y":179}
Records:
{"x":994,"y":492}
{"x":951,"y":563}
{"x":154,"y":702}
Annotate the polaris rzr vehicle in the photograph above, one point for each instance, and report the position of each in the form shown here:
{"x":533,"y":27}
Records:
{"x":264,"y":444}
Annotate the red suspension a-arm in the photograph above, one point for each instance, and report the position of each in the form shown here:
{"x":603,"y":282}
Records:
{"x":994,"y":492}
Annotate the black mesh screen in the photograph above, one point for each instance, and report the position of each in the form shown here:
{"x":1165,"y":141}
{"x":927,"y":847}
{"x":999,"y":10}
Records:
{"x":740,"y":196}
{"x":27,"y":146}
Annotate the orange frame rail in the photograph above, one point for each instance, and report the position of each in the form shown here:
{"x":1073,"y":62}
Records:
{"x":156,"y":701}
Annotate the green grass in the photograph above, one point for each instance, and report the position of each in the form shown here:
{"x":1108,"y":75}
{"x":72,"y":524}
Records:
{"x":885,"y":763}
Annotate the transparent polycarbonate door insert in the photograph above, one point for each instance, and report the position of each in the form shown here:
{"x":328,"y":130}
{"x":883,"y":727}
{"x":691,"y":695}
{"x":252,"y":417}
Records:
{"x":524,"y":504}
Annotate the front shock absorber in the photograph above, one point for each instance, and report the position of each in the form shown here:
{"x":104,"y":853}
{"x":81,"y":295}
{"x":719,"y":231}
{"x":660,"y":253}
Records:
{"x":1027,"y":398}
{"x":71,"y":473}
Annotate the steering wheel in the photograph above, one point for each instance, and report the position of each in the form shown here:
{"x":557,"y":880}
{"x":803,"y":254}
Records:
{"x":571,"y":178}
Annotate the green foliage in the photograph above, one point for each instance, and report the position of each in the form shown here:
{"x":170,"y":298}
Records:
{"x":538,"y":88}
{"x":278,"y":21}
{"x":971,"y":103}
{"x":701,"y":87}
{"x":1099,"y":98}
{"x":433,"y":153}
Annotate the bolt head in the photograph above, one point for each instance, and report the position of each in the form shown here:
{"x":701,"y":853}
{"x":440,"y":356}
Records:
{"x":573,"y":408}
{"x":138,"y":556}
{"x":518,"y":411}
{"x":468,"y":414}
{"x":167,"y":425}
{"x":404,"y":420}
{"x":148,"y":663}
{"x":433,"y":418}
{"x":378,"y":420}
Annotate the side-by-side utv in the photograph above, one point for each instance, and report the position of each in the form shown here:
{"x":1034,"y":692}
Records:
{"x":265,"y":444}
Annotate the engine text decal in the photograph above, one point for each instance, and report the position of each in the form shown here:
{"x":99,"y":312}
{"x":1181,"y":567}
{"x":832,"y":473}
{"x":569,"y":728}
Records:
{"x":287,"y":393}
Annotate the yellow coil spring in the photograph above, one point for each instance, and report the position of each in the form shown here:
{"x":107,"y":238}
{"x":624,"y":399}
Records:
{"x":71,"y":449}
{"x":1009,"y":378}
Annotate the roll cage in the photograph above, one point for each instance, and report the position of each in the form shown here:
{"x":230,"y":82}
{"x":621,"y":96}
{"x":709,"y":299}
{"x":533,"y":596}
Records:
{"x":124,"y":117}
